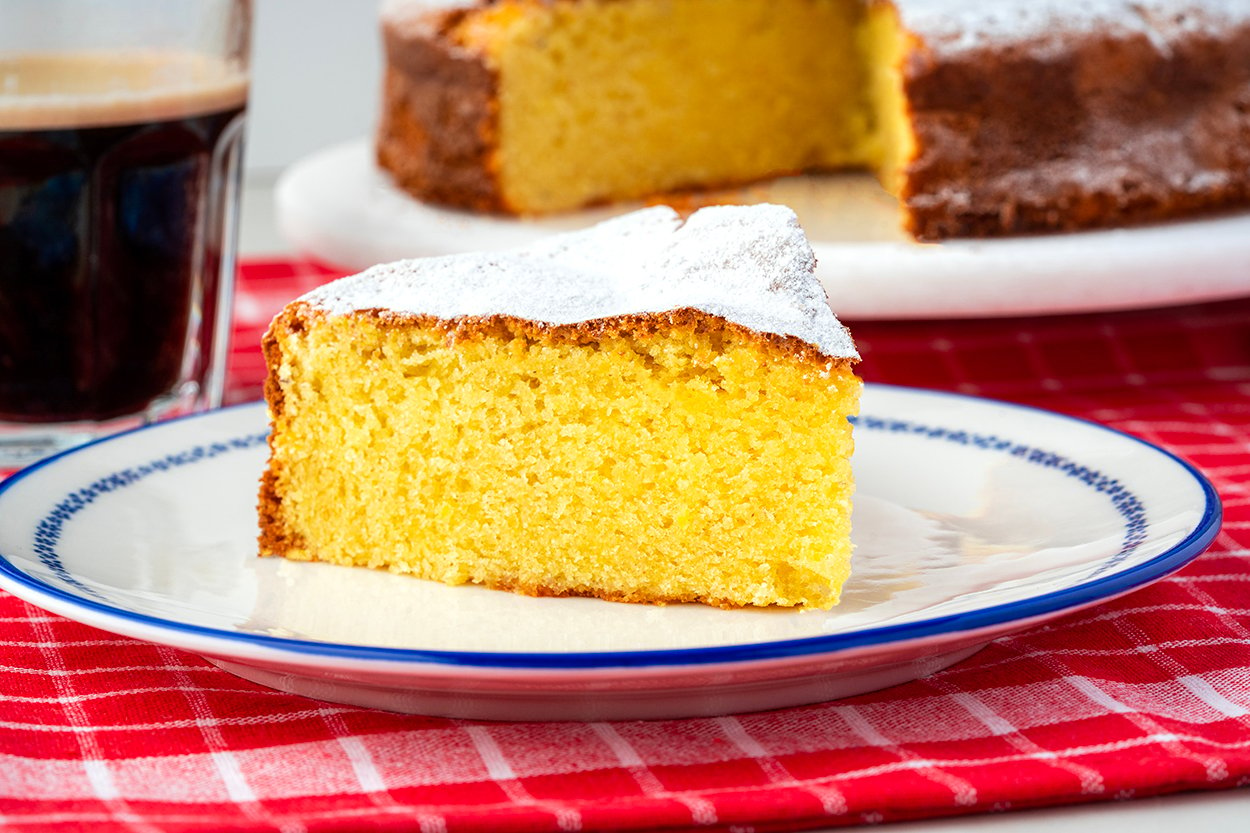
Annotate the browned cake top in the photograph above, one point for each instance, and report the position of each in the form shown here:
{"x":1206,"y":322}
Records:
{"x":749,"y":265}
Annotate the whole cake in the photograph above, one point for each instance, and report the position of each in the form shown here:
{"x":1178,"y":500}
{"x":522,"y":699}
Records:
{"x":984,"y":118}
{"x":647,"y":410}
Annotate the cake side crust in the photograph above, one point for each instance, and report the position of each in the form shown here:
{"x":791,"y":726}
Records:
{"x":438,"y":129}
{"x":1120,"y":128}
{"x":276,"y":536}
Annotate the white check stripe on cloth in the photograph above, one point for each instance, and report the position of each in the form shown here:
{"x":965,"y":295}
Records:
{"x":94,"y":764}
{"x":1087,"y":687}
{"x":101,"y":669}
{"x":371,"y":781}
{"x":1210,"y":604}
{"x":832,"y":801}
{"x":1214,"y":768}
{"x":362,"y":762}
{"x":701,"y":812}
{"x":74,"y":643}
{"x":1207,"y":693}
{"x":502,"y":774}
{"x":1091,"y":780}
{"x":121,"y":692}
{"x":181,"y":723}
{"x":963,"y":792}
{"x":224,"y":760}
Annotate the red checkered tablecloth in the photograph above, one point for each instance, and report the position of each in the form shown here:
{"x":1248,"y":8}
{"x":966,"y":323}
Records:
{"x":1145,"y":695}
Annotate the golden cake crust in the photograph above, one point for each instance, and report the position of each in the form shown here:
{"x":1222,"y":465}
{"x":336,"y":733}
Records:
{"x":1012,"y":136}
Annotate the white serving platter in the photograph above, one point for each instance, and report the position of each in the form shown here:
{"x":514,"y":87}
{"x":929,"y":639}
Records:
{"x":338,"y":207}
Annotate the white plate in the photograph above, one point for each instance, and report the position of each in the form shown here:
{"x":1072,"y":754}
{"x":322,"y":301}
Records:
{"x":338,"y":207}
{"x":973,"y":519}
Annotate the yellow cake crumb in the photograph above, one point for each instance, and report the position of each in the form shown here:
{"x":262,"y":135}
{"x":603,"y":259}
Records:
{"x":654,"y":456}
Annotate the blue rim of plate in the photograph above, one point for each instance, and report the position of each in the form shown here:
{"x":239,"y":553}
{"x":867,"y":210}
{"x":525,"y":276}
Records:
{"x":1052,"y":603}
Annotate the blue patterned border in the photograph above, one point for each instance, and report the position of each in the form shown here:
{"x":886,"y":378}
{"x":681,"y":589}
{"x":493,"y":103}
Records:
{"x":1127,"y":504}
{"x":48,"y":532}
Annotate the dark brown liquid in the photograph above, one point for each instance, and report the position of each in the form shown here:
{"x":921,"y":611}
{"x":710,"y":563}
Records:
{"x":110,"y":248}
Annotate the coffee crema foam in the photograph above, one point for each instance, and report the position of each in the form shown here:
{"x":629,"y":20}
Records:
{"x":98,"y":89}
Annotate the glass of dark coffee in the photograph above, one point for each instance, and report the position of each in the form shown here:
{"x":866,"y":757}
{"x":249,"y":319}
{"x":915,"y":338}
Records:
{"x":121,"y":136}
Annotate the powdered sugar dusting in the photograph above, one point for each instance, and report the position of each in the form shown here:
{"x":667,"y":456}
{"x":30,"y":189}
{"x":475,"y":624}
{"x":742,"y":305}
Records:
{"x":957,"y":25}
{"x":751,"y":265}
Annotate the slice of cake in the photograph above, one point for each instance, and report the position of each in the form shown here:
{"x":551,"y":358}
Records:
{"x":983,"y":118}
{"x":648,"y":410}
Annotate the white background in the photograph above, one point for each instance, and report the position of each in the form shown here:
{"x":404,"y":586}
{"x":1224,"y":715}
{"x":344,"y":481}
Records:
{"x":316,"y":79}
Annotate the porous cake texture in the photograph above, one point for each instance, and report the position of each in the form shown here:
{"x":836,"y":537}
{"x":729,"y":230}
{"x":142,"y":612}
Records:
{"x":984,"y":118}
{"x":650,"y":410}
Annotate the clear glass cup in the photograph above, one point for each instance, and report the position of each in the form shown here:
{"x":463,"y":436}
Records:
{"x":121,"y":138}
